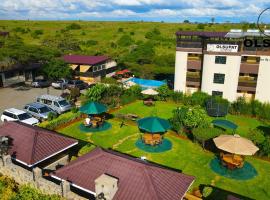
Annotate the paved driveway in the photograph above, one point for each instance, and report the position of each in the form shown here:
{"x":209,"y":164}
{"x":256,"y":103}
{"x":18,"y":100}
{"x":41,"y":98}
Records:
{"x":18,"y":97}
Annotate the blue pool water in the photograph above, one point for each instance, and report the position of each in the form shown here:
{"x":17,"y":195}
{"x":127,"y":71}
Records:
{"x":145,"y":83}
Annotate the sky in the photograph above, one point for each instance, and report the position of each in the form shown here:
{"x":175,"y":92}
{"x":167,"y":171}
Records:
{"x":136,"y":10}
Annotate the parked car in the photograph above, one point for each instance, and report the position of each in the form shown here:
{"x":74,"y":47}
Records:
{"x":58,"y":104}
{"x":14,"y":114}
{"x":60,"y":84}
{"x":38,"y":110}
{"x":40,"y":83}
{"x":77,"y":84}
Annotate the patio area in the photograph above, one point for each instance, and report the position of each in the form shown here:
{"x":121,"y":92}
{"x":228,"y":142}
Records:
{"x":245,"y":173}
{"x":166,"y":145}
{"x":180,"y":153}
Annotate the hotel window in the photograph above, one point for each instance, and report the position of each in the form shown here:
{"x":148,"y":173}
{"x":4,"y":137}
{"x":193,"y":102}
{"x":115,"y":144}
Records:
{"x":219,"y":78}
{"x":220,"y":59}
{"x":94,"y":68}
{"x":103,"y":66}
{"x":217,"y":93}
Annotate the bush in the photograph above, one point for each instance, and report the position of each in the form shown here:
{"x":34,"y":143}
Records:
{"x":125,"y":40}
{"x":256,"y":135}
{"x":202,"y":134}
{"x":74,"y":110}
{"x":89,"y":43}
{"x":164,"y":92}
{"x":62,"y":119}
{"x":73,"y":26}
{"x":177,"y":96}
{"x":190,"y":118}
{"x":95,"y":93}
{"x":52,"y":116}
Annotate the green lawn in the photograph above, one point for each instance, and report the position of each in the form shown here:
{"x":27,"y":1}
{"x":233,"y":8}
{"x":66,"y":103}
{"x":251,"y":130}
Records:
{"x":185,"y":155}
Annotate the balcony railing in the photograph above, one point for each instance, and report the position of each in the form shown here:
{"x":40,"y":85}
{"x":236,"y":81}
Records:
{"x":249,"y":68}
{"x":194,"y":64}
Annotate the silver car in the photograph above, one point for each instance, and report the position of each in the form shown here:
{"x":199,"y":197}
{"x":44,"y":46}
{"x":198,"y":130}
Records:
{"x":58,"y":104}
{"x":38,"y":111}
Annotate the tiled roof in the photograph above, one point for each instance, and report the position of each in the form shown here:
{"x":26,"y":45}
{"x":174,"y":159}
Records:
{"x":31,"y":144}
{"x":84,"y":60}
{"x":137,"y":179}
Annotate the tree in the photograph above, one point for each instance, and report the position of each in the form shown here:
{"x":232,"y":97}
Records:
{"x":164,"y":92}
{"x":202,"y":134}
{"x":125,"y":40}
{"x":256,"y":135}
{"x":73,"y":26}
{"x":201,"y":26}
{"x":56,"y":69}
{"x":190,"y":118}
{"x":96,"y":92}
{"x":186,"y":21}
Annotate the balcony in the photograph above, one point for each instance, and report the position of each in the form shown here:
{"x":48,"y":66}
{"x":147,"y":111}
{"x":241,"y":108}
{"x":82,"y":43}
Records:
{"x":193,"y":81}
{"x":194,"y":65}
{"x":249,"y":68}
{"x":247,"y":85}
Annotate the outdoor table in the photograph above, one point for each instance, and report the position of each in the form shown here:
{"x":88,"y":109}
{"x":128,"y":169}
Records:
{"x":232,"y":161}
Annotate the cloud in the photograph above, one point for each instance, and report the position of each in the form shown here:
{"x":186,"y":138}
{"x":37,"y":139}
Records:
{"x":154,"y":10}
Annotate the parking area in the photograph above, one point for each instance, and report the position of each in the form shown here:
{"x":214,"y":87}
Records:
{"x":19,"y":96}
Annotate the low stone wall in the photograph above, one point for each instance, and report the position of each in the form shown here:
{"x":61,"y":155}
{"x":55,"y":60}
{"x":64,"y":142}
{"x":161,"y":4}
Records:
{"x":35,"y":179}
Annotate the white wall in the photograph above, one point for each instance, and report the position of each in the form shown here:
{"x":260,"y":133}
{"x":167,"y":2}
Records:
{"x":230,"y":69}
{"x":110,"y":64}
{"x":263,"y":81}
{"x":180,"y":71}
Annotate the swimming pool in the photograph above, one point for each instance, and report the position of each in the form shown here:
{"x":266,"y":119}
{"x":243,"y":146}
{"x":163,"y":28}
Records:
{"x":146,"y":83}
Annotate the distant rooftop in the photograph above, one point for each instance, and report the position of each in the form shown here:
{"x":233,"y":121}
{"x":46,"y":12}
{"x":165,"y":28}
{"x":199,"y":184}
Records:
{"x":234,"y":33}
{"x":137,"y":179}
{"x":84,"y":60}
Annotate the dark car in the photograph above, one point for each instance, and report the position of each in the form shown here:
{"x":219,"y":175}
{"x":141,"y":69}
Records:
{"x":41,"y":83}
{"x":77,"y":84}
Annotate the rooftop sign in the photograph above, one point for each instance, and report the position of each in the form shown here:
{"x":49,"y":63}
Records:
{"x":222,"y":48}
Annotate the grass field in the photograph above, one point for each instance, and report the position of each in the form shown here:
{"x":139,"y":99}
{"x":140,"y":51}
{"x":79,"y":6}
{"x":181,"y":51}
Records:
{"x":106,"y":33}
{"x":185,"y":155}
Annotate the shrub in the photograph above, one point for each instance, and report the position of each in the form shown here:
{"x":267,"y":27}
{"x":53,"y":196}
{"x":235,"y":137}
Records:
{"x":177,"y":96}
{"x":52,"y":116}
{"x":62,"y":119}
{"x":190,"y":118}
{"x":120,"y":30}
{"x":164,"y":92}
{"x":73,"y":26}
{"x":256,"y":135}
{"x":125,"y":40}
{"x":89,"y":43}
{"x":95,"y":93}
{"x":74,"y":110}
{"x":202,"y":134}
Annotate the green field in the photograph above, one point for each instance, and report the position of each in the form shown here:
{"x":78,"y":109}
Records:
{"x":185,"y":155}
{"x":106,"y":37}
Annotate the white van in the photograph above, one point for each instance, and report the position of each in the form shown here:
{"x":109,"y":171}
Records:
{"x":58,"y":104}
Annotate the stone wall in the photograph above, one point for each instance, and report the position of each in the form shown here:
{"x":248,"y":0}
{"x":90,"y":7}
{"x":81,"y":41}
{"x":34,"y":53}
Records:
{"x":35,"y":179}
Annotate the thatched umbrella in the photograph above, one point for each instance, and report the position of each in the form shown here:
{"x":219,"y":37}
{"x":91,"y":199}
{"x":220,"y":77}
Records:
{"x":149,"y":91}
{"x":235,"y":144}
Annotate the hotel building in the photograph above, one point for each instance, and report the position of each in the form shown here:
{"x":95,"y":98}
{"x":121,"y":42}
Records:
{"x":229,"y":64}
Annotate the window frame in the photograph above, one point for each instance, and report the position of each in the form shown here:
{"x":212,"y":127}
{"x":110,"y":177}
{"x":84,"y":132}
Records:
{"x":216,"y":79}
{"x":218,"y":60}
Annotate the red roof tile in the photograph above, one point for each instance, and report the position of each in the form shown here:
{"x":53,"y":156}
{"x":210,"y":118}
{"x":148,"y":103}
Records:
{"x":84,"y":60}
{"x":31,"y":144}
{"x":137,"y":179}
